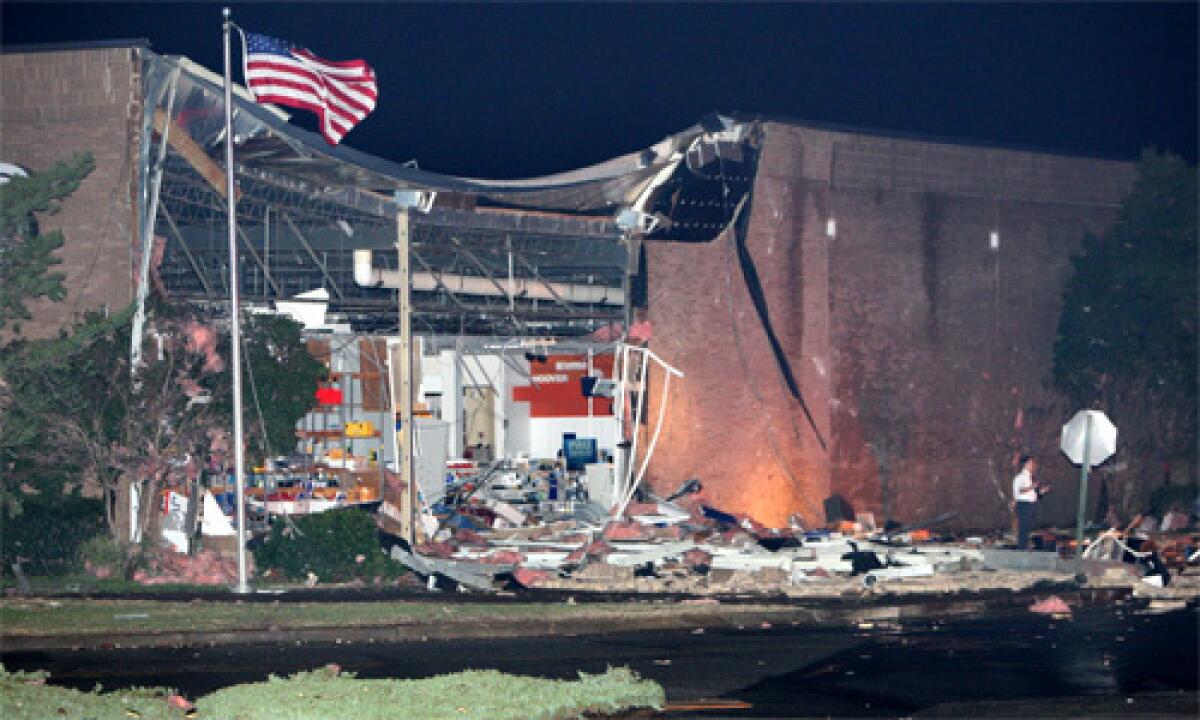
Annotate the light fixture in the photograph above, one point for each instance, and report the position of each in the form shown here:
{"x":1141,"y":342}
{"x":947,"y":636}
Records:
{"x":419,"y":200}
{"x":633,"y":220}
{"x":994,"y":240}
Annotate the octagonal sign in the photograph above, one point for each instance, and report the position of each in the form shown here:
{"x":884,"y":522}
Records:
{"x":1101,"y":437}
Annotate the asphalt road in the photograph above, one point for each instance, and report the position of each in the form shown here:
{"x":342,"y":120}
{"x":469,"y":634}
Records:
{"x":1015,"y":663}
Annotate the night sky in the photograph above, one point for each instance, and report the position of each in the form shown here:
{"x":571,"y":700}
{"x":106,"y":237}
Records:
{"x":517,"y":90}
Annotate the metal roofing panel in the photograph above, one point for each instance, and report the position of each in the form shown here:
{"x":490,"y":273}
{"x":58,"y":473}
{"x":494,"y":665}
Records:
{"x":270,"y":144}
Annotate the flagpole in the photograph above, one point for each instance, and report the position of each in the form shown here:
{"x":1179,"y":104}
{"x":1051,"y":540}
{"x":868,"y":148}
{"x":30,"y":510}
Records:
{"x":239,"y":453}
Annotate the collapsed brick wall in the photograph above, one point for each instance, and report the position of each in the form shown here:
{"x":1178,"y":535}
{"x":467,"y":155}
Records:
{"x":731,"y":421}
{"x":53,"y":105}
{"x":923,"y":353}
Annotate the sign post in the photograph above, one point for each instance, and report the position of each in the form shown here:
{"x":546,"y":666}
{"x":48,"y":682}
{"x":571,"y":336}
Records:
{"x":1088,"y":439}
{"x":1083,"y":485}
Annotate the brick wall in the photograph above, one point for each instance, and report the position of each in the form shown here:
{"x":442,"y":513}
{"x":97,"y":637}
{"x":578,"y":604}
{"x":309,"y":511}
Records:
{"x":922,"y":352}
{"x":731,"y":421}
{"x":52,"y":105}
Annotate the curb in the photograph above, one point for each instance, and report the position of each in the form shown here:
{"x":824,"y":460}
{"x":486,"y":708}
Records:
{"x":838,"y":613}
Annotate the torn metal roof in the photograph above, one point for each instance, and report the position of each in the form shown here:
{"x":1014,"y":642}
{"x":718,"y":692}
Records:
{"x":305,"y":206}
{"x":269,"y":144}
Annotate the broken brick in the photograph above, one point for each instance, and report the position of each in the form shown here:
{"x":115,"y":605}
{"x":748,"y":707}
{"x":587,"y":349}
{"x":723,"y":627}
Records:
{"x":1053,"y":605}
{"x":436,"y":549}
{"x":625,"y":531}
{"x":503,"y":557}
{"x":697,"y":558}
{"x":641,"y":509}
{"x":531,"y":578}
{"x":468,"y":537}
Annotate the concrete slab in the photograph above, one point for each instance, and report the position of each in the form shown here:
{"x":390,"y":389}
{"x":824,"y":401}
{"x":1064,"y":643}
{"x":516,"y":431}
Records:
{"x":1002,"y":559}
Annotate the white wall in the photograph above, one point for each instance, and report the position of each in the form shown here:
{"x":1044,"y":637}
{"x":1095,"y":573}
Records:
{"x":516,"y":439}
{"x":450,"y":373}
{"x":515,"y":432}
{"x":545,"y":434}
{"x":439,"y":374}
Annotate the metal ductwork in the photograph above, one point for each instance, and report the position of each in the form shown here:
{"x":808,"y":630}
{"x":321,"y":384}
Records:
{"x":368,"y":276}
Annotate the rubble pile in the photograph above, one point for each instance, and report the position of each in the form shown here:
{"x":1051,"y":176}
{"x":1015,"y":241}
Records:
{"x":485,"y":536}
{"x":164,"y":566}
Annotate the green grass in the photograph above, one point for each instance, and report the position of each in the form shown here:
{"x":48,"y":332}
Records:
{"x":321,"y":694}
{"x":25,"y":696}
{"x":32,"y":617}
{"x":83,"y":583}
{"x":481,"y":695}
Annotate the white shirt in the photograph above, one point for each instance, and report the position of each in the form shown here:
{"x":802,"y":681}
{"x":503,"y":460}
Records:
{"x":1023,"y":489}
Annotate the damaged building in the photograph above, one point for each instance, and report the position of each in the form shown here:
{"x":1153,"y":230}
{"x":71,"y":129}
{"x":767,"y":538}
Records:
{"x":857,"y":319}
{"x":881,"y":329}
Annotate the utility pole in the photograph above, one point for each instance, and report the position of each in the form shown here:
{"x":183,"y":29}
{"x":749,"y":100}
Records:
{"x":408,"y":500}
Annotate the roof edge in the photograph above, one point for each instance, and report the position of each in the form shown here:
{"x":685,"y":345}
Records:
{"x":1011,"y":146}
{"x":131,"y":43}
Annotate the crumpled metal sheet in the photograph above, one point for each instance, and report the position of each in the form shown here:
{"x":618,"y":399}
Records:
{"x":269,"y":144}
{"x":472,"y":575}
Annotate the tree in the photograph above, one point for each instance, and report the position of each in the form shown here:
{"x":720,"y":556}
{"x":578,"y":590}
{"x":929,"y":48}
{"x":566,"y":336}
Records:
{"x":74,"y":407}
{"x":74,"y":411}
{"x":280,"y":383}
{"x":26,"y":255}
{"x":1127,"y":335}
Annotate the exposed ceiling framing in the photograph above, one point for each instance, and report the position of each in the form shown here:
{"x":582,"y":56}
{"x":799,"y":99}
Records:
{"x":297,"y":232}
{"x":304,"y":208}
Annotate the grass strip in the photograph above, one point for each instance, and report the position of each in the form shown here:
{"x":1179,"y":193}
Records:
{"x":327,"y":694}
{"x":26,"y":696}
{"x":74,"y":584}
{"x":482,"y":695}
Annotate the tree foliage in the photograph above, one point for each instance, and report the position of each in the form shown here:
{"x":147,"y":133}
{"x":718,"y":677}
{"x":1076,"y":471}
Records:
{"x":75,"y":408}
{"x":49,"y":533}
{"x":27,"y":255}
{"x":279,"y":382}
{"x":336,"y":545}
{"x":1127,"y":335}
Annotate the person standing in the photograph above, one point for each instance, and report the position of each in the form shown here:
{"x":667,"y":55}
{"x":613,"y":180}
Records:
{"x":1025,"y":497}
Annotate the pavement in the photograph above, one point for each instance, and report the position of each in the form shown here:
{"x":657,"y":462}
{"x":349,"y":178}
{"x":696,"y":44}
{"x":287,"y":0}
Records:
{"x":1112,"y":658}
{"x":840,"y":602}
{"x":914,"y":647}
{"x":916,"y":582}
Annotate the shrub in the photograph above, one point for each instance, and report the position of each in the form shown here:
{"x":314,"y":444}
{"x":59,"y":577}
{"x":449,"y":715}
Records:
{"x":102,"y":551}
{"x":326,"y":544}
{"x":48,"y":534}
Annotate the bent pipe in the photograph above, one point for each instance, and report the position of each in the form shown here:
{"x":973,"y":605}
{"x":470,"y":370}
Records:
{"x":368,"y":276}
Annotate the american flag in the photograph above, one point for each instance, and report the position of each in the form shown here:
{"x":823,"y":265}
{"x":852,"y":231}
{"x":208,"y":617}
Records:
{"x":340,"y":93}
